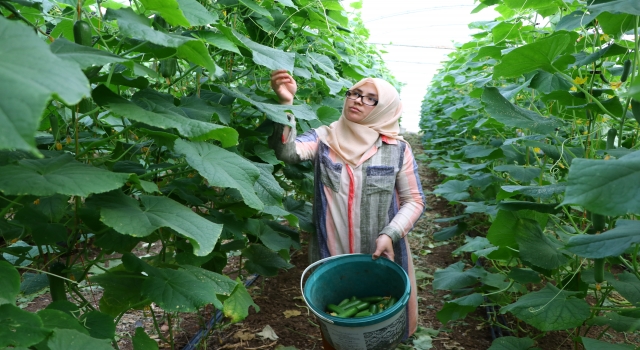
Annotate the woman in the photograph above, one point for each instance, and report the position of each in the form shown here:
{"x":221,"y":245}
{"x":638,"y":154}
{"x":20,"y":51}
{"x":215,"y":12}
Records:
{"x":367,"y":191}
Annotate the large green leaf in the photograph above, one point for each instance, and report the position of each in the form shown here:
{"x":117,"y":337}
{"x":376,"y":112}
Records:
{"x":10,"y":286}
{"x":63,"y":175}
{"x":511,"y":343}
{"x":122,"y":291}
{"x":68,"y":339}
{"x":157,"y":109}
{"x":19,"y":327}
{"x":607,"y":244}
{"x":507,"y":224}
{"x":197,"y":14}
{"x":267,"y":187}
{"x":574,"y":20}
{"x":99,"y":324}
{"x":520,"y":173}
{"x":540,"y":54}
{"x":266,"y":56}
{"x":28,"y":84}
{"x":52,"y":318}
{"x":453,"y":190}
{"x":84,"y":56}
{"x":139,"y":27}
{"x":616,"y":321}
{"x":218,"y":40}
{"x":125,"y":216}
{"x":546,"y":82}
{"x":222,"y":168}
{"x":537,"y":248}
{"x":628,"y":286}
{"x":168,"y":9}
{"x":196,"y":52}
{"x":263,"y":261}
{"x":550,"y":309}
{"x":454,"y":276}
{"x":272,"y":239}
{"x":183,"y":290}
{"x":323,"y":62}
{"x":631,"y":7}
{"x":542,"y":192}
{"x":500,"y":109}
{"x":236,"y":307}
{"x":459,"y":308}
{"x":142,"y":341}
{"x":277,"y":113}
{"x":256,"y":7}
{"x":605,"y":187}
{"x":593,"y":344}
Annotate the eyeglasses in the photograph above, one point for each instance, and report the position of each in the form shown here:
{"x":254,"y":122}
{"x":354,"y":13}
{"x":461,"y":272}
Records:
{"x":369,"y":101}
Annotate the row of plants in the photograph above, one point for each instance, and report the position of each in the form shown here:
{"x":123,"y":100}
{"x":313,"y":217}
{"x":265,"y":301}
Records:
{"x":125,"y":124}
{"x":533,"y":125}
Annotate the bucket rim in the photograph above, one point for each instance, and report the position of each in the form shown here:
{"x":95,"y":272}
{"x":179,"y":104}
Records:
{"x":399,"y":306}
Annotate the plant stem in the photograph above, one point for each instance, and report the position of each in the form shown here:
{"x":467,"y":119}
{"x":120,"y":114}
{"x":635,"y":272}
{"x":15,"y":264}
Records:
{"x":144,"y":176}
{"x":155,"y":325}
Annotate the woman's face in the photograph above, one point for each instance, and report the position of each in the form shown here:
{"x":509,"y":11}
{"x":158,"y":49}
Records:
{"x":355,"y":110}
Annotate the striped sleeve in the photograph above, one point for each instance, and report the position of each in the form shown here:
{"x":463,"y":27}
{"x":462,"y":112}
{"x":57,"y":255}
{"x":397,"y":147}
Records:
{"x":291,"y":148}
{"x":411,"y":199}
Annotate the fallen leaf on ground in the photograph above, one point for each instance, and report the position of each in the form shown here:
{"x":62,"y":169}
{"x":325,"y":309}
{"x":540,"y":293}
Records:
{"x":244,"y":335}
{"x":291,"y":313}
{"x":268,"y":333}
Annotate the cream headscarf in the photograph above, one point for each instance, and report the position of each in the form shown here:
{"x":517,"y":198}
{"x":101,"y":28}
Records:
{"x":351,"y":140}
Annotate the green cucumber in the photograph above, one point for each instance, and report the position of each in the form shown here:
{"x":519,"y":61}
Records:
{"x":611,"y":138}
{"x":335,"y":308}
{"x":626,"y":68}
{"x":363,"y":313}
{"x":598,"y":270}
{"x":344,"y":302}
{"x":56,"y":284}
{"x":373,"y":309}
{"x":372,"y":299}
{"x":598,"y":221}
{"x":349,"y":312}
{"x":362,"y":306}
{"x":602,"y":77}
{"x":168,"y":67}
{"x":82,"y":33}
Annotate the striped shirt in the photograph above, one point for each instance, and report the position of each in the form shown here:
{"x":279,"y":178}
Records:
{"x":353,"y":205}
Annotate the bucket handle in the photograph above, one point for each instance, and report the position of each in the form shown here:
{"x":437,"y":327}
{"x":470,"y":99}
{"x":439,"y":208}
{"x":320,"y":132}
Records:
{"x":321,"y":261}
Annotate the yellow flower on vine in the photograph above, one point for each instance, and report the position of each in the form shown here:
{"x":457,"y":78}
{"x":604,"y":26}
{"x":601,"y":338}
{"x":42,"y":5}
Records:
{"x":615,"y":84}
{"x":605,"y":37}
{"x":579,"y":80}
{"x":573,"y":88}
{"x":474,"y":137}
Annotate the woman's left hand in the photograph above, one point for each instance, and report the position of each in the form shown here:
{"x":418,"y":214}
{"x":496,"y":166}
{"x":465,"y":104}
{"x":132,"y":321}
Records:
{"x":384,"y":247}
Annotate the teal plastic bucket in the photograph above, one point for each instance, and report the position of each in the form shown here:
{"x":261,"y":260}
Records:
{"x":342,"y":276}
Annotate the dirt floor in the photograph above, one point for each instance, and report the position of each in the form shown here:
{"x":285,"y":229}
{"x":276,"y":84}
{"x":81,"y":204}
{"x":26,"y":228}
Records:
{"x":284,"y":323}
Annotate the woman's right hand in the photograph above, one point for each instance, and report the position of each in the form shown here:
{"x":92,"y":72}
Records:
{"x":284,"y":86}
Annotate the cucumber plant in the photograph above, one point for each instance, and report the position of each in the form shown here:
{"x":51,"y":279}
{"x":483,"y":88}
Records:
{"x":534,"y":127}
{"x":126,"y":125}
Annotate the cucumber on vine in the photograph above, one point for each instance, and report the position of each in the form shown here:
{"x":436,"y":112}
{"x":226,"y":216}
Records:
{"x":625,"y":70}
{"x":168,"y":67}
{"x":82,"y":33}
{"x":611,"y":137}
{"x":598,"y":270}
{"x":56,"y":284}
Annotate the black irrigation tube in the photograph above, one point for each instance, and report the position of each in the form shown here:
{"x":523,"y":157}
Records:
{"x":492,"y":313}
{"x":217,"y":317}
